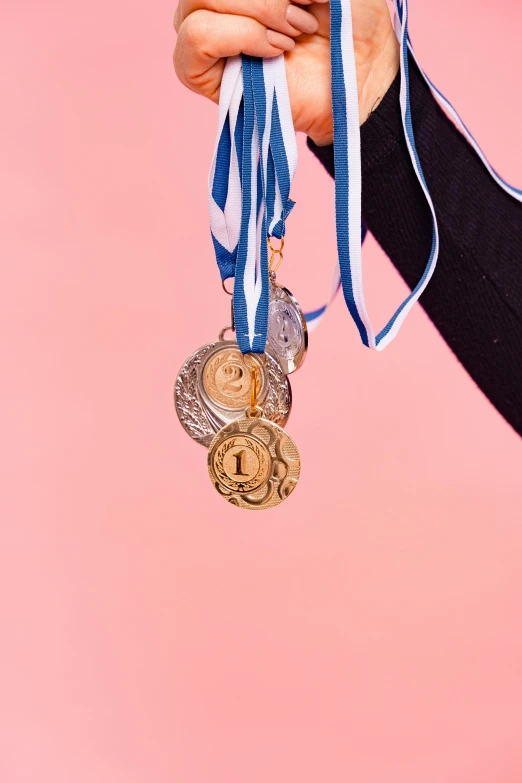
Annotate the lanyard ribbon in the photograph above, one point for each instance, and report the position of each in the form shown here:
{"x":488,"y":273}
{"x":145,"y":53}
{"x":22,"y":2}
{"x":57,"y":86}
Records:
{"x":254,"y":165}
{"x":401,"y":19}
{"x":249,"y":187}
{"x":347,"y":157}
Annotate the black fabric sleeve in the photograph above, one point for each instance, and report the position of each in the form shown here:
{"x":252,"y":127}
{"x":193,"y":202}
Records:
{"x":475,"y":296}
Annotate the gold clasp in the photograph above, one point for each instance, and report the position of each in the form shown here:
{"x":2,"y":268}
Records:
{"x":231,"y":294}
{"x":273,"y":266}
{"x":251,"y":361}
{"x":253,"y":388}
{"x":225,"y":289}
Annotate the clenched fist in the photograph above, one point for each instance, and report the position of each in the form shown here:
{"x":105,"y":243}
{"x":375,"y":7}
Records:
{"x":209,"y":31}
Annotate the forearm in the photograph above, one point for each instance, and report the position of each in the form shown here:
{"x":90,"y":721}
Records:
{"x":475,"y":296}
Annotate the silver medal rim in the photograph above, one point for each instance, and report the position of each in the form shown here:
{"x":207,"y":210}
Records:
{"x":292,"y":365}
{"x":212,"y":416}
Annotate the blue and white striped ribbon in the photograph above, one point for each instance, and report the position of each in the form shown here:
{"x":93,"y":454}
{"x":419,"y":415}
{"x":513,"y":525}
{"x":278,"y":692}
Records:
{"x":343,"y":83}
{"x":314,"y":317}
{"x":253,"y":169}
{"x":450,"y":109}
{"x":249,"y":187}
{"x":347,"y":156}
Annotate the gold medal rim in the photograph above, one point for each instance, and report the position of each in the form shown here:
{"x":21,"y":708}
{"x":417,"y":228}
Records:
{"x":223,"y":435}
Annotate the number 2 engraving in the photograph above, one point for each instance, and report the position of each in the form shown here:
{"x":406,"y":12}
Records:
{"x":235,"y":374}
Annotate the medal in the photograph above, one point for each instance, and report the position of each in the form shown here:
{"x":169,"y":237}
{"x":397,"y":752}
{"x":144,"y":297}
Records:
{"x":287,"y":331}
{"x":252,"y":462}
{"x":213,"y":389}
{"x":234,"y":395}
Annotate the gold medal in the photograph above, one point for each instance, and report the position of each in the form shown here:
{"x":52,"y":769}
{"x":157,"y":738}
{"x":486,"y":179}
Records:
{"x":252,"y":462}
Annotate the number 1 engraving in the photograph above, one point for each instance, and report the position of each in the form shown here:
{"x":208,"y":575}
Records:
{"x":239,"y":463}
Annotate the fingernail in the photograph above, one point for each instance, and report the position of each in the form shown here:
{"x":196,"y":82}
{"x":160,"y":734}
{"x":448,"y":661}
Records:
{"x":301,"y":19}
{"x":279,"y":40}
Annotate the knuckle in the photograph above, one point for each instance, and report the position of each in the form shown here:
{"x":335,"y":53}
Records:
{"x":179,"y":14}
{"x":199,"y":27}
{"x":272,"y":10}
{"x":195,"y":29}
{"x":249,"y":29}
{"x":177,"y":60}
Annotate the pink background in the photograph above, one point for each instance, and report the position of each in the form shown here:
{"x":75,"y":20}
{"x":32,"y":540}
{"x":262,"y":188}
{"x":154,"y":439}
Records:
{"x":369,"y":630}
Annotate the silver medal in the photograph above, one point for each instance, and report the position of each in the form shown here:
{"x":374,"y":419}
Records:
{"x":287,"y":331}
{"x":214,"y":385}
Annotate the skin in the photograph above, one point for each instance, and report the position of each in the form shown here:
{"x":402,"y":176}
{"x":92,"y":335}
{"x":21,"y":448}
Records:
{"x":209,"y":31}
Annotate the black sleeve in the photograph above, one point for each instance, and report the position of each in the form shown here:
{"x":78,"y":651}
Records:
{"x":475,"y":296}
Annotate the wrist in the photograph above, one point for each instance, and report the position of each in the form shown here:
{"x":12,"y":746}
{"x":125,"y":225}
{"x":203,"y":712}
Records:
{"x":380,"y":75}
{"x":375,"y":77}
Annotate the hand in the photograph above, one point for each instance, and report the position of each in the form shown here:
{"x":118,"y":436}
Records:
{"x":209,"y":31}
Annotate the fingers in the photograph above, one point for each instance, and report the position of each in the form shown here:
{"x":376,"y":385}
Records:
{"x":279,"y":15}
{"x":204,"y":38}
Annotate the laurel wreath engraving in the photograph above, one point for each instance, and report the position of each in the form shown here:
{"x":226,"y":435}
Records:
{"x":188,"y":405}
{"x":279,"y":398}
